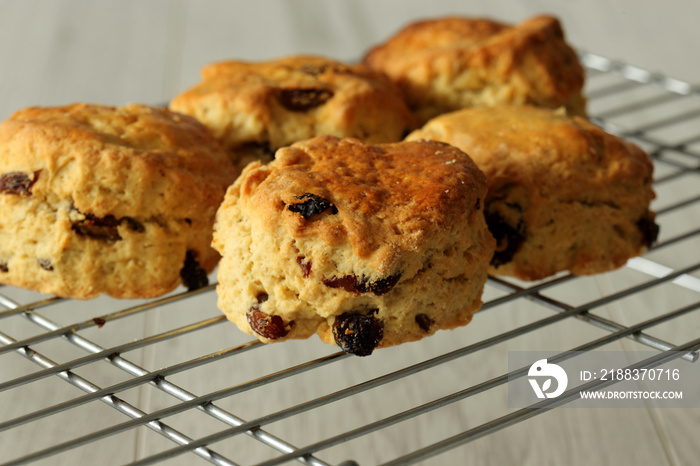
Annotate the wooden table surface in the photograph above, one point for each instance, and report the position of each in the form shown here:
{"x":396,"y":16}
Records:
{"x":114,"y":52}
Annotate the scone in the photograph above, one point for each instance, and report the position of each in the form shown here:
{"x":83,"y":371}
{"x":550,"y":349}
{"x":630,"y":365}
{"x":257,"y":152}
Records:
{"x":367,"y":245}
{"x":97,"y":199}
{"x":563,"y":193}
{"x":450,"y":63}
{"x":254,"y":108}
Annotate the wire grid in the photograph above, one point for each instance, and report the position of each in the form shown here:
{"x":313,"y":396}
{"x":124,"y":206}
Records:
{"x":33,"y":326}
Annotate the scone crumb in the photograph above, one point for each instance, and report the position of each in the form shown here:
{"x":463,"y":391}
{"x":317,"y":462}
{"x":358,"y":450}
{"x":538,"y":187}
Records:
{"x":368,"y":246}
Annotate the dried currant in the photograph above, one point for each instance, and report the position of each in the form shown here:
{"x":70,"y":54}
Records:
{"x":104,"y":228}
{"x":267,"y":326}
{"x":508,"y":238}
{"x":649,"y":229}
{"x":4,"y":267}
{"x":424,"y":322}
{"x":99,"y":321}
{"x":261,"y":149}
{"x":346,"y":282}
{"x":358,"y":334}
{"x":312,"y":204}
{"x":193,"y":276}
{"x":354,"y":285}
{"x":45,"y":264}
{"x":18,"y":183}
{"x":302,"y":99}
{"x":133,"y":225}
{"x":305,"y":266}
{"x":379,"y":287}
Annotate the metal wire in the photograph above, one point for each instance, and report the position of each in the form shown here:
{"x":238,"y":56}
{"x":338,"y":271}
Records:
{"x":539,"y":408}
{"x":672,"y":92}
{"x":126,"y":408}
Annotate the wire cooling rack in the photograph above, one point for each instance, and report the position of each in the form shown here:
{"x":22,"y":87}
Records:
{"x":169,"y":379}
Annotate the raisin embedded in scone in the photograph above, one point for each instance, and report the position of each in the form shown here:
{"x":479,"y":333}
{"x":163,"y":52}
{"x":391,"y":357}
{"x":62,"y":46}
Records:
{"x":257,"y":107}
{"x":563,"y":193}
{"x":367,"y":245}
{"x":449,"y":63}
{"x":97,"y":199}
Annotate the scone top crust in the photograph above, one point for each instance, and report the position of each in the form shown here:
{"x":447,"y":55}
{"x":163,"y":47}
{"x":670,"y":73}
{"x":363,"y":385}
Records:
{"x":563,"y":193}
{"x":546,"y":152}
{"x":128,"y":161}
{"x":386,"y":200}
{"x":454,"y":62}
{"x":276,"y":103}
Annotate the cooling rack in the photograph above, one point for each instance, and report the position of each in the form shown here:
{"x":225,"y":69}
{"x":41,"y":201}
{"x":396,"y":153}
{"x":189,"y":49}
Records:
{"x":112,"y":382}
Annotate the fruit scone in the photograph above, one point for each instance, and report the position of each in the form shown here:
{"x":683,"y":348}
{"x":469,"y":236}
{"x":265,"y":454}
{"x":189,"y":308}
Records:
{"x":563,"y":193}
{"x":366,"y":245}
{"x":255,"y":108}
{"x":97,"y":199}
{"x":454,"y":62}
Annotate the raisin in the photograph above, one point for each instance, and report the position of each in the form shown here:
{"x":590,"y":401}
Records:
{"x":19,"y":183}
{"x":99,"y":321}
{"x":357,"y":334}
{"x":104,"y":228}
{"x":312,"y":204}
{"x":268,"y":326}
{"x":381,"y":286}
{"x":305,"y":266}
{"x":133,"y":225}
{"x":260,"y":149}
{"x":347,"y":283}
{"x":508,"y":238}
{"x":193,"y":276}
{"x":262,"y":297}
{"x":424,"y":322}
{"x":352,"y":284}
{"x":45,"y":264}
{"x":649,"y":229}
{"x":302,"y":99}
{"x":4,"y":267}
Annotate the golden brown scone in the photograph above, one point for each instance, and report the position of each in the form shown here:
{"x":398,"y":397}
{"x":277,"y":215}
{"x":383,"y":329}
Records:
{"x":450,"y":63}
{"x":97,"y":199}
{"x":257,"y":107}
{"x":367,"y":245}
{"x":563,"y":193}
